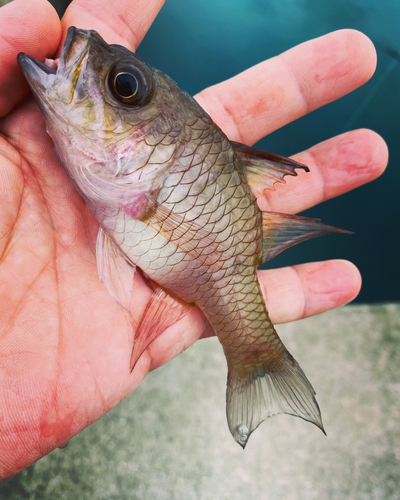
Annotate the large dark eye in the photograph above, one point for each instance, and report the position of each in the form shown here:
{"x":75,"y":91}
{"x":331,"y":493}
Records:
{"x":126,"y":85}
{"x":130,"y":83}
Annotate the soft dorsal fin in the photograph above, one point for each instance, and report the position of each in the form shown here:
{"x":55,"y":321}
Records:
{"x":281,"y":231}
{"x":263,"y":169}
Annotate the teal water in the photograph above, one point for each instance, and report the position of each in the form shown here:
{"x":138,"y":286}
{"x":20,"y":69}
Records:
{"x":201,"y":43}
{"x":199,"y":46}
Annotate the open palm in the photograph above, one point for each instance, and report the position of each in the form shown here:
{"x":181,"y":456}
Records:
{"x":64,"y":343}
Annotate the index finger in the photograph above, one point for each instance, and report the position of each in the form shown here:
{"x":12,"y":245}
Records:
{"x":30,"y":26}
{"x":123,"y":22}
{"x":275,"y":92}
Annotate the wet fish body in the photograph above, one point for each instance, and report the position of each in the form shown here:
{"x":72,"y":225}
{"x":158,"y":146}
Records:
{"x":175,"y":198}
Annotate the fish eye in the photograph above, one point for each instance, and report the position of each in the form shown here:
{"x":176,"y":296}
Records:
{"x":126,"y":85}
{"x":130,"y":83}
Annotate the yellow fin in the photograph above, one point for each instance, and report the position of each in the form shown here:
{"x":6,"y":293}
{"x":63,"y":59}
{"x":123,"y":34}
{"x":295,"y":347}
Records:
{"x":263,"y":169}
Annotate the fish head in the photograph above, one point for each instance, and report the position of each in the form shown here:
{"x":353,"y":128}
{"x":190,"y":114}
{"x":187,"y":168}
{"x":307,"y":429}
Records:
{"x":93,"y":88}
{"x":109,"y":114}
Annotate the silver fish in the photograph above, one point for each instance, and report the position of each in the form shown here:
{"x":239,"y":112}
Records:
{"x":177,"y":199}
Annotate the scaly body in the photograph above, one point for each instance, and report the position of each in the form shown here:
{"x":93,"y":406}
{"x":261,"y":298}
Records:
{"x":209,"y":191}
{"x":175,"y":198}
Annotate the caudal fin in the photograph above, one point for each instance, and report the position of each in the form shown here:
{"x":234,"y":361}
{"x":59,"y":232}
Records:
{"x":278,"y":387}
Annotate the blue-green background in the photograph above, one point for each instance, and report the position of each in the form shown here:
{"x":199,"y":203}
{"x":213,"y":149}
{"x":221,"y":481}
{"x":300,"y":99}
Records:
{"x":199,"y":43}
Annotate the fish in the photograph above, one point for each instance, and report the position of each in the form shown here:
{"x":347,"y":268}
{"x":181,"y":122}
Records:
{"x":176,"y":202}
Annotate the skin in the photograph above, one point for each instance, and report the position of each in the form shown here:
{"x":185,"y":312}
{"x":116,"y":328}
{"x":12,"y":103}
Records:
{"x":64,"y":343}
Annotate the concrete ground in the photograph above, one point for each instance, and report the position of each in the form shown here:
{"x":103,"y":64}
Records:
{"x":169,"y":440}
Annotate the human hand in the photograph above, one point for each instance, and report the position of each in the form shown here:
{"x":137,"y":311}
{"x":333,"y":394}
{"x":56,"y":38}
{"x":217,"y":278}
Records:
{"x":65,"y":344}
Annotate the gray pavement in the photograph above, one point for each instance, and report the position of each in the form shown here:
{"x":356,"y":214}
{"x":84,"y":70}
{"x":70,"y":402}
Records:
{"x":169,"y":439}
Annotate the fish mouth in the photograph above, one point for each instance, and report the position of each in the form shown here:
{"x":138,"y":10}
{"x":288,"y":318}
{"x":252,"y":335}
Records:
{"x":38,"y":74}
{"x":75,"y":49}
{"x":49,"y":70}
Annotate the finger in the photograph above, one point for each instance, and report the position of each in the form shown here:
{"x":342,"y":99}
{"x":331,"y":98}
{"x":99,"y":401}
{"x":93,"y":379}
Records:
{"x":123,"y":22}
{"x":290,"y":293}
{"x":30,"y":26}
{"x":336,"y":166}
{"x":297,"y":292}
{"x":267,"y":96}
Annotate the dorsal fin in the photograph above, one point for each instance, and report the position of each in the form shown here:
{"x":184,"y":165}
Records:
{"x":281,"y":231}
{"x":263,"y":169}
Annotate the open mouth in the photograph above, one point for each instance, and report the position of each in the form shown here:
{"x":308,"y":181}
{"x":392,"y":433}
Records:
{"x":38,"y":74}
{"x":49,"y":66}
{"x":73,"y":52}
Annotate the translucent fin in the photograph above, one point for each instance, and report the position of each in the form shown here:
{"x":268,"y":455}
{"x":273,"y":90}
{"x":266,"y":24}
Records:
{"x":162,"y":311}
{"x":114,"y":270}
{"x":281,"y":387}
{"x":281,"y":231}
{"x":264,"y":169}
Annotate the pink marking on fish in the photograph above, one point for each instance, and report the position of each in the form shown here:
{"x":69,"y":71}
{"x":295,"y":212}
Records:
{"x":138,"y":205}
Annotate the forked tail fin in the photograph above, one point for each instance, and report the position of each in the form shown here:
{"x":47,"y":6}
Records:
{"x":278,"y":387}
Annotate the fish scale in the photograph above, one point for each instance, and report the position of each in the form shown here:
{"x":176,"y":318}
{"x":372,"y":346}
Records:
{"x":216,"y":308}
{"x":176,"y":198}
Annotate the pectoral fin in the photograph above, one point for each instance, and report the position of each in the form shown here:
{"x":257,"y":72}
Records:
{"x":161,"y":311}
{"x":115,"y":272}
{"x":281,"y":231}
{"x":263,"y":169}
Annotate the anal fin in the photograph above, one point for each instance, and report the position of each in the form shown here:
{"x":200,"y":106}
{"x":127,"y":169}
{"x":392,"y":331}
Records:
{"x":162,"y":311}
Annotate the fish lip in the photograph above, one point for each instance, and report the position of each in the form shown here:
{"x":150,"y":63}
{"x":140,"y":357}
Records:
{"x":38,"y":74}
{"x":26,"y":61}
{"x":66,"y":47}
{"x":82,"y":40}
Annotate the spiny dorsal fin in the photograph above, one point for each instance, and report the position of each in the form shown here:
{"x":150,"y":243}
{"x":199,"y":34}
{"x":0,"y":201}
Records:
{"x":263,"y":169}
{"x":281,"y":231}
